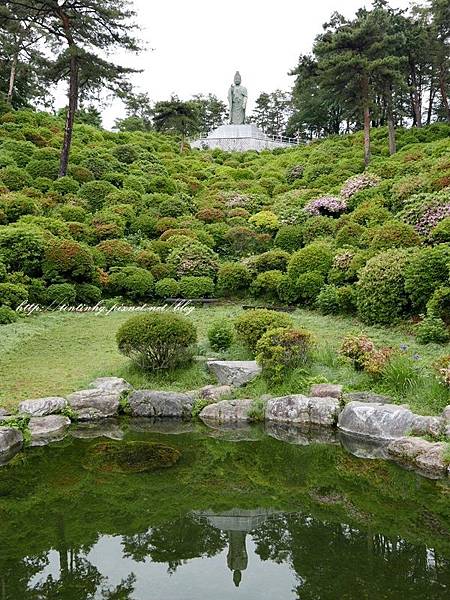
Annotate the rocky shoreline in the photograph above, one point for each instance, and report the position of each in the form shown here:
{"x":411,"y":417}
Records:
{"x":367,"y":425}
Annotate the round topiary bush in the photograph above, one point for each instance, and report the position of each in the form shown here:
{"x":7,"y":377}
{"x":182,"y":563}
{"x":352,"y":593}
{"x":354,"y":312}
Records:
{"x":157,"y":340}
{"x":317,"y":257}
{"x":115,"y":253}
{"x":252,"y":324}
{"x":351,"y":234}
{"x":133,"y":283}
{"x":266,"y":285}
{"x":196,"y":287}
{"x":86,"y":293}
{"x":308,"y":286}
{"x":426,"y":271}
{"x":68,"y":259}
{"x":194,"y":259}
{"x":393,"y":234}
{"x":13,"y":294}
{"x":432,"y":330}
{"x":65,"y":185}
{"x":328,"y":300}
{"x":167,"y":288}
{"x":273,"y":260}
{"x":381,"y":294}
{"x":15,"y":179}
{"x":233,"y":279}
{"x":7,"y":315}
{"x":95,"y":192}
{"x":221,"y":335}
{"x":289,"y":238}
{"x":439,"y":304}
{"x":60,"y":293}
{"x":282,"y":349}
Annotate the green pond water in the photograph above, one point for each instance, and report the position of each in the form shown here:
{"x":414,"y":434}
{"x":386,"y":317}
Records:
{"x":239,"y":515}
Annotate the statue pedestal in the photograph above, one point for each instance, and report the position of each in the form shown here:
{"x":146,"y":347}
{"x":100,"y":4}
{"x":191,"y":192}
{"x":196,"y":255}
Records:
{"x":241,"y":138}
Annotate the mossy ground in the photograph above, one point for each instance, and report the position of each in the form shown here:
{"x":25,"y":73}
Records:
{"x":57,"y":353}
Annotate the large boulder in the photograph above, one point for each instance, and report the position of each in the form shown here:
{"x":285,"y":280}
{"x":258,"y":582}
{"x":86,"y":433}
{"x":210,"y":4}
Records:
{"x":226,"y":411}
{"x":425,"y":425}
{"x":90,"y":405}
{"x":326,"y":390}
{"x":111,"y":384}
{"x":41,"y":407}
{"x":4,"y":412}
{"x":51,"y":428}
{"x":302,"y":410}
{"x":11,"y":441}
{"x":150,"y":403}
{"x":421,"y":455}
{"x":214,"y":392}
{"x":380,"y":421}
{"x":446,"y":418}
{"x":234,"y":372}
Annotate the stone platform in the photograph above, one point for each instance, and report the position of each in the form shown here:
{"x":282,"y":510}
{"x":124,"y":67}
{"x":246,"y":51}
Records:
{"x":241,"y":138}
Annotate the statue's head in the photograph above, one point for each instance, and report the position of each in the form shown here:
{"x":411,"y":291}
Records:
{"x":237,"y":78}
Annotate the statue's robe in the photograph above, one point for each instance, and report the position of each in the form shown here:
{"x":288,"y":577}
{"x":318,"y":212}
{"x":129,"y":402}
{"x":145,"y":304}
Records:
{"x":237,"y":100}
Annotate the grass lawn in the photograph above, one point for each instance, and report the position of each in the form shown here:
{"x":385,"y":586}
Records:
{"x":57,"y":353}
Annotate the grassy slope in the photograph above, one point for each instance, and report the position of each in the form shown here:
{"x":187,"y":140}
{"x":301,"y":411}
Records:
{"x":54,"y":354}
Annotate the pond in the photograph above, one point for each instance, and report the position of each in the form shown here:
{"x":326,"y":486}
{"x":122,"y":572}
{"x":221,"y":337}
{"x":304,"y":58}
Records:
{"x":236,"y":514}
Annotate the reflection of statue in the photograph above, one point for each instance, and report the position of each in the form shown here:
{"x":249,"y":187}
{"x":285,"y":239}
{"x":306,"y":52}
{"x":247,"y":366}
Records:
{"x":237,"y":557}
{"x":237,"y":100}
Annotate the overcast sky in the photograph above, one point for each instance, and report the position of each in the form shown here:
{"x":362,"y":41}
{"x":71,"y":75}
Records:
{"x":195,"y":46}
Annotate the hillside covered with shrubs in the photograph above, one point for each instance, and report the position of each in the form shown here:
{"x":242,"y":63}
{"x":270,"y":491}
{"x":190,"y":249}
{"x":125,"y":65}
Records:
{"x":137,"y":220}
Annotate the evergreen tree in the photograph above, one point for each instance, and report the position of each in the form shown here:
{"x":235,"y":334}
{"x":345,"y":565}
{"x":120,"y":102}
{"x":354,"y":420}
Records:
{"x":212,"y":112}
{"x":178,"y":117}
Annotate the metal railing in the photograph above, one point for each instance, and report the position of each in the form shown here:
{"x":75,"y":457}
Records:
{"x":264,"y":137}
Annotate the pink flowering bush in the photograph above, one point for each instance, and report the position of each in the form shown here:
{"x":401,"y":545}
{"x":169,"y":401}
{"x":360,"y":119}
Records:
{"x":442,"y":368}
{"x":343,"y":260}
{"x":359,"y":182}
{"x":327,"y":206}
{"x":425,"y":211}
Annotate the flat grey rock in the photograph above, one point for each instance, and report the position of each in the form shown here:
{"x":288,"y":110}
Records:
{"x":11,"y":441}
{"x":111,"y":384}
{"x":380,"y":421}
{"x":215,"y":392}
{"x":326,"y":390}
{"x":425,"y":457}
{"x":302,"y":410}
{"x":426,"y":425}
{"x":4,"y":412}
{"x":150,"y":403}
{"x":368,"y":397}
{"x":234,"y":372}
{"x":227,"y":411}
{"x":90,"y":405}
{"x":41,"y":407}
{"x":48,"y":429}
{"x":106,"y":428}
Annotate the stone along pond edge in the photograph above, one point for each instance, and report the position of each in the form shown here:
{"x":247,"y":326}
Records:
{"x":366,"y":424}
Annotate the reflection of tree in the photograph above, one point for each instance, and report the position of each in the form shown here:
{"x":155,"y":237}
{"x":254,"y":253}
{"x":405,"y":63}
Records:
{"x":175,"y":542}
{"x":121,"y":592}
{"x":79,"y":582}
{"x":334,"y":560}
{"x":15,"y":575}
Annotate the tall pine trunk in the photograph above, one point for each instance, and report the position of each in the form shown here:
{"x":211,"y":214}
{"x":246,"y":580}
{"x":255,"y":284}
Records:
{"x":443,"y":88}
{"x":12,"y":79}
{"x":390,"y":122}
{"x":73,"y":93}
{"x":366,"y":108}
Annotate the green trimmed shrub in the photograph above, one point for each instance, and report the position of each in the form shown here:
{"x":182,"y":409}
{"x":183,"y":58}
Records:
{"x":273,"y":260}
{"x":193,"y":259}
{"x":266,"y":285}
{"x":233,"y":279}
{"x":43,"y":168}
{"x":432,"y":330}
{"x":426,"y":271}
{"x":287,"y":290}
{"x":221,"y":335}
{"x":347,"y":297}
{"x":351,"y":234}
{"x":16,"y":205}
{"x":22,"y":249}
{"x":66,"y":185}
{"x":289,"y":238}
{"x":393,"y":234}
{"x":115,"y":253}
{"x":12,"y":294}
{"x":381,"y":295}
{"x":441,"y":233}
{"x":95,"y":192}
{"x":328,"y":300}
{"x":7,"y":315}
{"x":318,"y":227}
{"x":157,"y":340}
{"x":265,"y":221}
{"x":167,"y":288}
{"x":15,"y":178}
{"x":69,"y":260}
{"x":252,"y":324}
{"x":196,"y":287}
{"x":133,"y":283}
{"x":308,"y":286}
{"x":60,"y":293}
{"x":439,"y":304}
{"x":87,"y":293}
{"x":282,"y":349}
{"x":317,"y":257}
